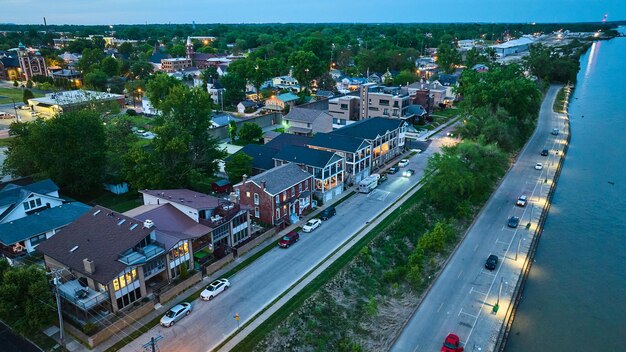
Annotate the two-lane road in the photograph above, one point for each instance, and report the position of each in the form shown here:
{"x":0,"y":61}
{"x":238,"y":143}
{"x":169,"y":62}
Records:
{"x":259,"y":284}
{"x":461,"y":300}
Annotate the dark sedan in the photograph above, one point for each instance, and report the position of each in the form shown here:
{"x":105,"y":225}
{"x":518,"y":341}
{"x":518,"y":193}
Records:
{"x":513,"y":222}
{"x":492,"y":262}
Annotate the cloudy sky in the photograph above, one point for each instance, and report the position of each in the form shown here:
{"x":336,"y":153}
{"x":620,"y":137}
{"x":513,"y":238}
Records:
{"x":253,"y":11}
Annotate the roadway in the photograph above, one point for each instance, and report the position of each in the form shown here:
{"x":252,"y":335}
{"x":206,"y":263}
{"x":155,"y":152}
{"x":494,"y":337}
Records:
{"x":256,"y":286}
{"x":462,"y":298}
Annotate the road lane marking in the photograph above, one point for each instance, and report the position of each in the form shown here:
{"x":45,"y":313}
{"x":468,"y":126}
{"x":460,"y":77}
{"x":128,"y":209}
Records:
{"x":462,"y":312}
{"x":475,"y":248}
{"x":460,"y":273}
{"x":502,"y":242}
{"x":440,"y":306}
{"x":474,"y":291}
{"x":487,"y":273}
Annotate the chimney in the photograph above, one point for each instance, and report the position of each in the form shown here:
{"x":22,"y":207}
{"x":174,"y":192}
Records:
{"x":244,"y":177}
{"x":263,"y":185}
{"x":233,"y":197}
{"x":148,"y":224}
{"x":89,"y":265}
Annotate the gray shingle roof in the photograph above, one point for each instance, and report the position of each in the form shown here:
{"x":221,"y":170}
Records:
{"x":307,"y":156}
{"x":40,"y":222}
{"x":370,"y":128}
{"x":287,"y":139}
{"x":96,"y":236}
{"x":337,"y":142}
{"x":280,"y":178}
{"x":13,"y":194}
{"x":306,"y":115}
{"x":170,"y":220}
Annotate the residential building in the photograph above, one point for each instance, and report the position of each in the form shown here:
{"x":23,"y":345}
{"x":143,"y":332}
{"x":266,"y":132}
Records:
{"x":31,"y":214}
{"x":111,"y":260}
{"x":175,"y":64}
{"x":216,"y":91}
{"x":386,"y":137}
{"x":277,"y":196}
{"x":307,"y":122}
{"x":60,"y":43}
{"x":246,"y":106}
{"x":10,"y":69}
{"x":278,"y":103}
{"x":356,"y":151}
{"x":344,"y":110}
{"x":229,"y":223}
{"x":56,"y":103}
{"x":285,"y":140}
{"x":287,"y":83}
{"x":262,"y":157}
{"x":223,"y":119}
{"x":326,"y":167}
{"x":436,"y":91}
{"x":75,"y":77}
{"x":377,"y":101}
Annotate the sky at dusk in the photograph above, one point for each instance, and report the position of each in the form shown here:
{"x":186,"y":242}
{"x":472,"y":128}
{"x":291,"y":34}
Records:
{"x":255,"y":11}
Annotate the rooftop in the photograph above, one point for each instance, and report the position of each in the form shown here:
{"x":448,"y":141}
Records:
{"x":370,"y":128}
{"x":306,"y":115}
{"x":186,"y":197}
{"x":262,"y":155}
{"x":513,"y":43}
{"x":307,"y":156}
{"x":73,"y":97}
{"x":337,"y":142}
{"x":280,"y":178}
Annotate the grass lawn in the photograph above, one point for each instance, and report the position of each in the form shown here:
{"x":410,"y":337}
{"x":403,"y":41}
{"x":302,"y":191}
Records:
{"x":119,"y":203}
{"x":4,"y":142}
{"x":16,"y":93}
{"x":140,"y":121}
{"x":559,"y":101}
{"x":450,"y":112}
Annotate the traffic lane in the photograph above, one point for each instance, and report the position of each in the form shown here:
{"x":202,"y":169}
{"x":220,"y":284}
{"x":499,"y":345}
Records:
{"x":448,"y":292}
{"x":260,"y":283}
{"x":12,"y":342}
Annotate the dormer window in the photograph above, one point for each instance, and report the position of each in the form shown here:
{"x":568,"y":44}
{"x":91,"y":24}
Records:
{"x":32,"y":204}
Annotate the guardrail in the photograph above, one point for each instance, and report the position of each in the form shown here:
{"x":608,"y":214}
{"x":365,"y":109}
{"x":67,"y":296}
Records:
{"x":507,"y":323}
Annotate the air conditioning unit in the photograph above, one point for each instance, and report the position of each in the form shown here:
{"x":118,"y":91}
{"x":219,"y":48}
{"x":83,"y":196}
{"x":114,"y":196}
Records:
{"x":148,"y":224}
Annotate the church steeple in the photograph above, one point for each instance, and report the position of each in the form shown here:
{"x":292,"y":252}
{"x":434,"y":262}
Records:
{"x":189,"y":48}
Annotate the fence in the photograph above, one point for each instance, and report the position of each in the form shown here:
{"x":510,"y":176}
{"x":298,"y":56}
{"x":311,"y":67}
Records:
{"x":503,"y":335}
{"x":177,"y":289}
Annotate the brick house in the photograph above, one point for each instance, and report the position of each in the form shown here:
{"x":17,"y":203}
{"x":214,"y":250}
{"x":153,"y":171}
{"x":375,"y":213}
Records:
{"x":278,"y":195}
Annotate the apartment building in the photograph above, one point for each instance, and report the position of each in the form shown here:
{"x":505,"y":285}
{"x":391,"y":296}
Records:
{"x":380,"y":101}
{"x":344,"y":110}
{"x":175,"y":64}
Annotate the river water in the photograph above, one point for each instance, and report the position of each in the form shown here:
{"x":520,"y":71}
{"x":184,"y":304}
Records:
{"x":575,"y":298}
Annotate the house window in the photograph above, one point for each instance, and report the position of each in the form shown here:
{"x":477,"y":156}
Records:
{"x":237,"y":192}
{"x":256,"y":199}
{"x":26,"y":206}
{"x":129,"y":298}
{"x":278,"y":213}
{"x":284,"y":196}
{"x":37,"y":239}
{"x":248,"y":194}
{"x":293,"y":191}
{"x":256,"y":212}
{"x":125,"y":279}
{"x":300,"y":188}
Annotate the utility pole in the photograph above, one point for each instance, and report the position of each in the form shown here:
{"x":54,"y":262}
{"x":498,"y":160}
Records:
{"x":519,"y":243}
{"x":57,"y":283}
{"x":152,"y":345}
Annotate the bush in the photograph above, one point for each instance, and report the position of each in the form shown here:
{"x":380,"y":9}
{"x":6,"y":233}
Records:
{"x":90,"y":328}
{"x":184,"y":271}
{"x":131,"y":112}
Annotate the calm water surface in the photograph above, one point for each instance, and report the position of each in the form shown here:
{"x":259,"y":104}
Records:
{"x":575,"y":298}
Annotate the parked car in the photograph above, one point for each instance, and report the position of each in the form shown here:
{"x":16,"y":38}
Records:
{"x":538,"y":166}
{"x":403,"y":162}
{"x":408,"y":173}
{"x":24,"y":107}
{"x":545,"y":152}
{"x":289,"y":239}
{"x":513,"y":222}
{"x":6,"y":115}
{"x":328,"y":213}
{"x":175,"y":314}
{"x":452,"y":343}
{"x":521,"y":201}
{"x":214,"y":288}
{"x":555,"y":131}
{"x":392,"y":170}
{"x":311,"y":225}
{"x":492,"y":262}
{"x":383,"y":178}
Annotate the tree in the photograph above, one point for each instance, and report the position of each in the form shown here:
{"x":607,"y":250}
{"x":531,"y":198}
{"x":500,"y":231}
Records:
{"x":69,"y":148}
{"x":405,"y":77}
{"x":125,"y":48}
{"x":306,"y":66}
{"x":327,"y":82}
{"x":232,"y":131}
{"x":15,"y":84}
{"x":27,"y":94}
{"x":96,"y":79}
{"x":110,"y":66}
{"x":25,"y":289}
{"x":238,"y":165}
{"x":250,"y":133}
{"x":183,"y":153}
{"x":29,"y":84}
{"x":448,"y":57}
{"x":98,"y":42}
{"x":119,"y":140}
{"x":159,"y":87}
{"x":235,"y":87}
{"x":209,"y":75}
{"x":141,"y":70}
{"x":90,"y":60}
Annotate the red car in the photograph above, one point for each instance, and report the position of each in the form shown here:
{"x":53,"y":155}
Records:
{"x":452,"y":344}
{"x":289,"y":239}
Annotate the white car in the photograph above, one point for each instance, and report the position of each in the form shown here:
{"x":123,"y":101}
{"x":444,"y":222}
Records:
{"x":215,"y":288}
{"x":521,"y":201}
{"x":538,"y":166}
{"x":311,"y":225}
{"x":175,"y":314}
{"x":25,"y":107}
{"x":403,"y":162}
